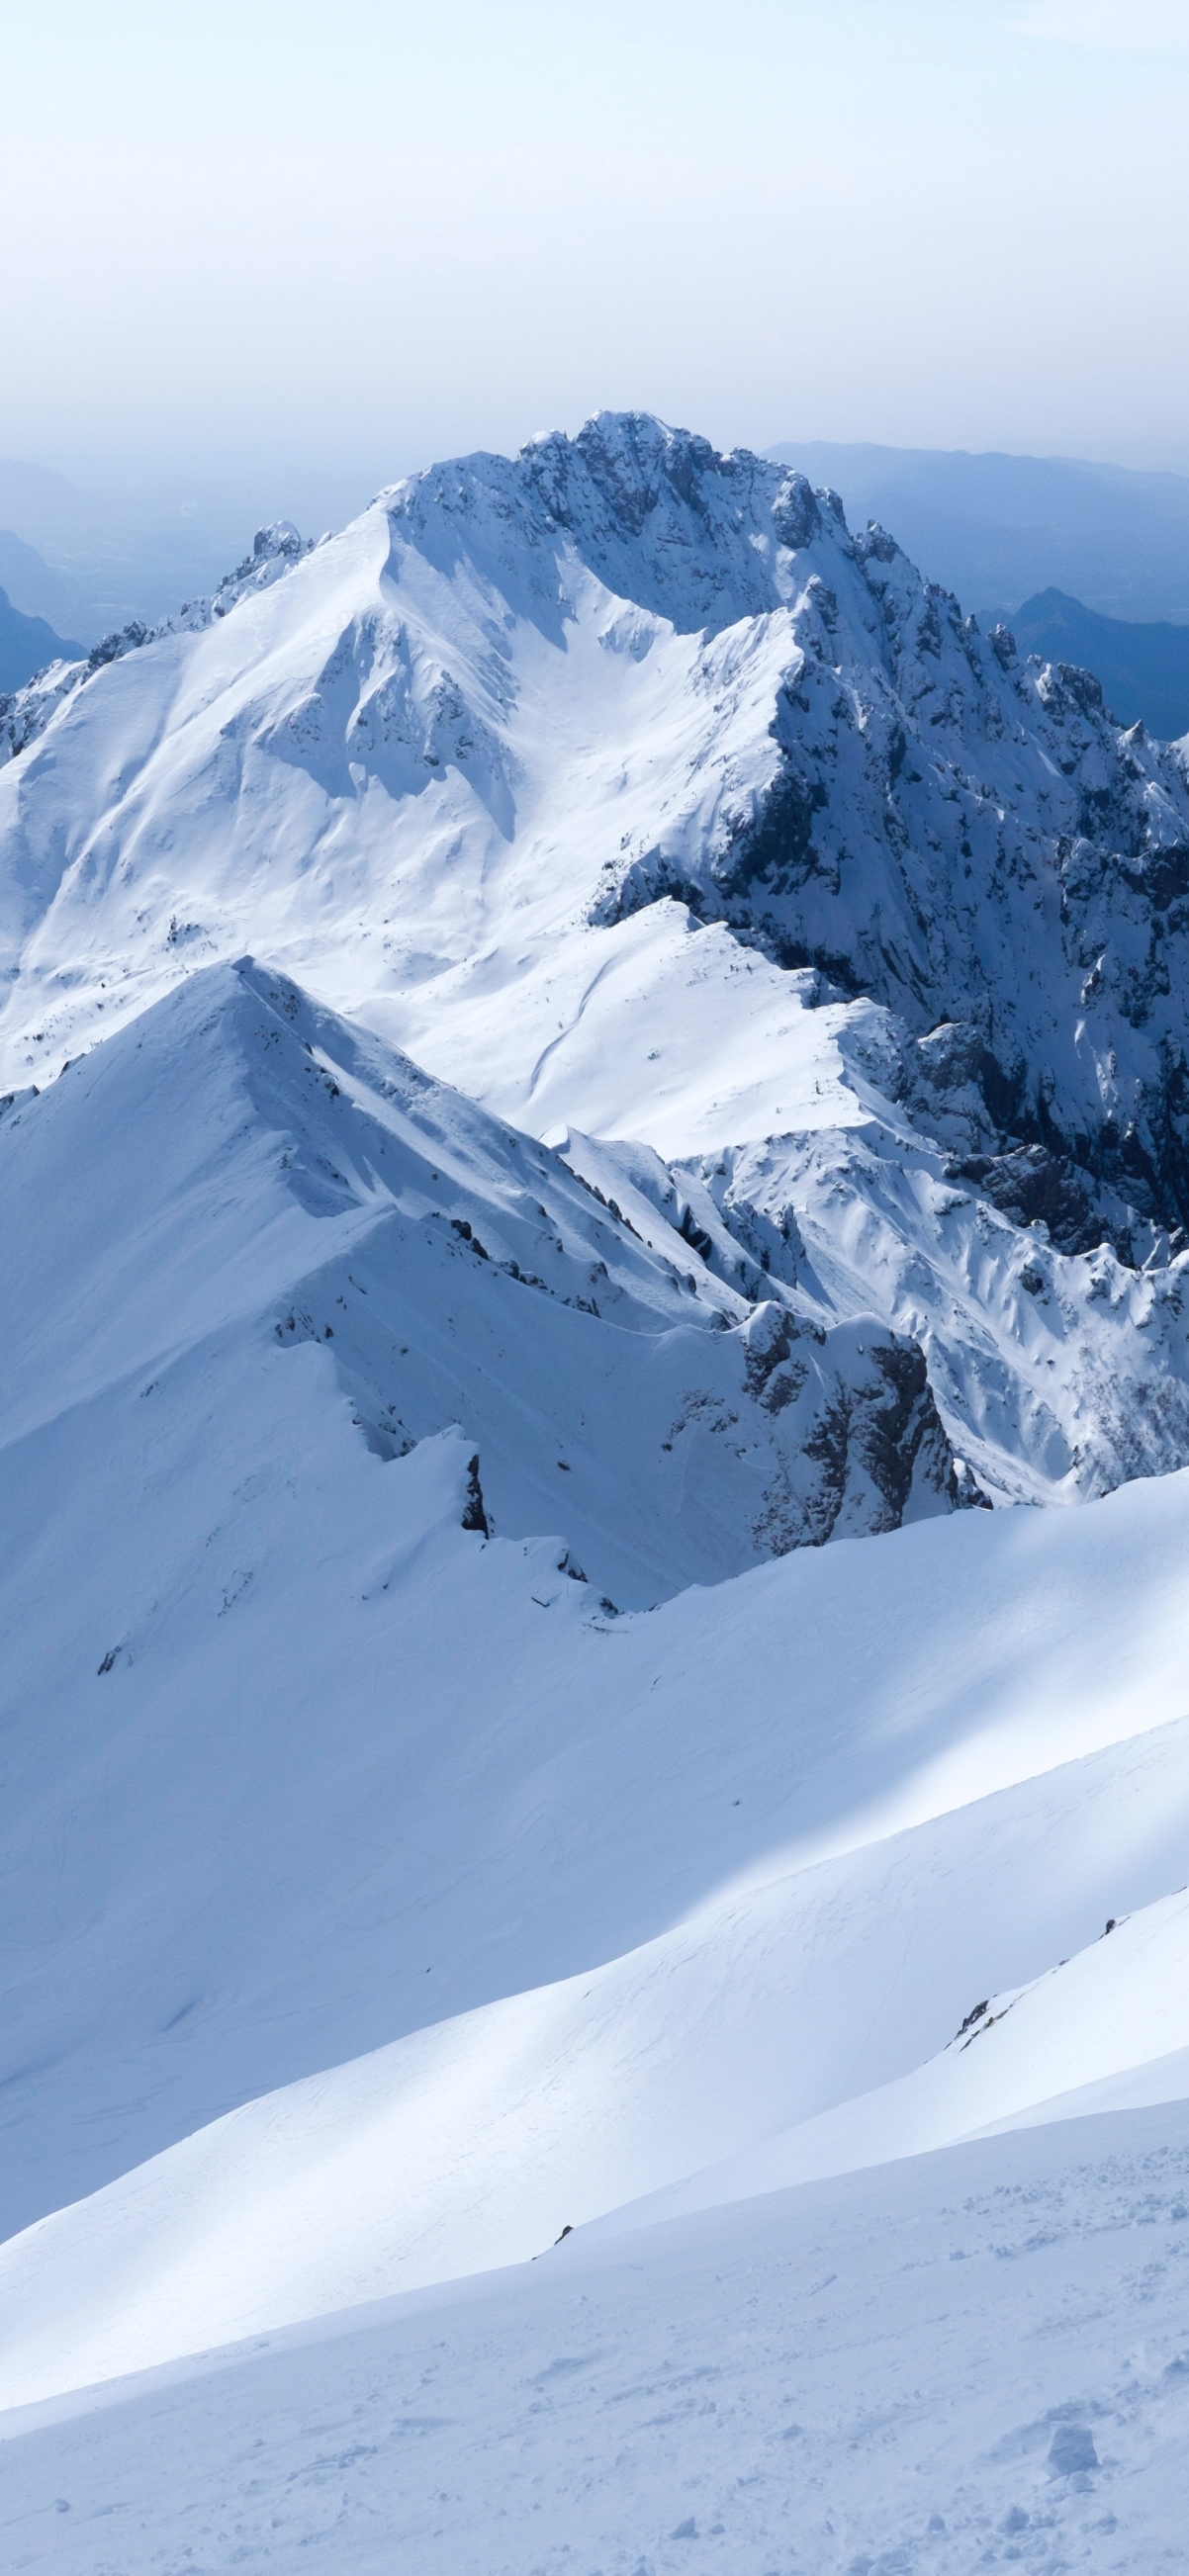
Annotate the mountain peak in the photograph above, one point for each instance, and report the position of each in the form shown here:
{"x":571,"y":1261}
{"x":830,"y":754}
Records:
{"x":656,"y":513}
{"x":619,"y":786}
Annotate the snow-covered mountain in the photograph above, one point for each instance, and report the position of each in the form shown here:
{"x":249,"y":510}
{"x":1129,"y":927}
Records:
{"x":549,"y":770}
{"x":682,"y":672}
{"x":586,"y":1082}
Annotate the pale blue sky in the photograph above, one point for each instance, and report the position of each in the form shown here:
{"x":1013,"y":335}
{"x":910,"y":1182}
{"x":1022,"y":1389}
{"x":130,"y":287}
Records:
{"x":385,"y":232}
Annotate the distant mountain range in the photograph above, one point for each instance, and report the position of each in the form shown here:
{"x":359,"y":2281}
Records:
{"x":90,"y":557}
{"x":26,"y":645}
{"x":1144,"y":670}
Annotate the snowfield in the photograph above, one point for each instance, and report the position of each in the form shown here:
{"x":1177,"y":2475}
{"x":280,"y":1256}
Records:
{"x":974,"y":2358}
{"x":595,"y":1946}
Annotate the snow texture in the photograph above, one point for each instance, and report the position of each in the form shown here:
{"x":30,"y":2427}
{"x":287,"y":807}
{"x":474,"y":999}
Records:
{"x":974,"y":2359}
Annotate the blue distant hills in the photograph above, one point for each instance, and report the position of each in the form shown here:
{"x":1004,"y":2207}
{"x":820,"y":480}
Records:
{"x":27,"y":644}
{"x":1144,"y":669}
{"x":1000,"y":529}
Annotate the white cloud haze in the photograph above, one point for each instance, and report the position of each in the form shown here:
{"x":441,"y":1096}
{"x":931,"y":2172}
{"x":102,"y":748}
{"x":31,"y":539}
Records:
{"x":1129,"y":24}
{"x":403,"y":232}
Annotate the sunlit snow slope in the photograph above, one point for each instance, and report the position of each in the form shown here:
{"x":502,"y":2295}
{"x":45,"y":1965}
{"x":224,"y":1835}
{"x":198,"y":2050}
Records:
{"x":292,"y":1333}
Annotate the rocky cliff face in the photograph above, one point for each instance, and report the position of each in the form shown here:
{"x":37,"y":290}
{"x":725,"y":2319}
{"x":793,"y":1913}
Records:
{"x":967,"y":837}
{"x":961,"y":833}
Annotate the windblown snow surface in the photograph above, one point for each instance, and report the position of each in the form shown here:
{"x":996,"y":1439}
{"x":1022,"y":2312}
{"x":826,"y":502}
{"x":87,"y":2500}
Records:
{"x":596,"y":1956}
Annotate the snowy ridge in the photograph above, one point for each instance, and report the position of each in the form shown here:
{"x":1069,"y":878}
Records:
{"x":258,"y":1271}
{"x":368,"y":1200}
{"x":261,"y":1268}
{"x":25,"y":712}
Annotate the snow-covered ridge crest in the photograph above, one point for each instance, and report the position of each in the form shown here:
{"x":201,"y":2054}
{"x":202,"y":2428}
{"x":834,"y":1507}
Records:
{"x":25,"y":712}
{"x":370,"y":1201}
{"x":696,"y":538}
{"x":301,"y":1341}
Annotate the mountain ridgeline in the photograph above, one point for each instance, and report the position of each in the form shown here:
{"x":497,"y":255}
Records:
{"x":864,"y":783}
{"x":1144,"y":670}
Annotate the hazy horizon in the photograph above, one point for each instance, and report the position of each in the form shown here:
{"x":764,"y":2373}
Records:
{"x":247,"y":242}
{"x":125,"y":472}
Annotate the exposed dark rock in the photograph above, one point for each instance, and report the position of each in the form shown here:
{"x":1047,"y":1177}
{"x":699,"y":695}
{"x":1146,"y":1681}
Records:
{"x":1031,"y":1185}
{"x":474,"y":1517}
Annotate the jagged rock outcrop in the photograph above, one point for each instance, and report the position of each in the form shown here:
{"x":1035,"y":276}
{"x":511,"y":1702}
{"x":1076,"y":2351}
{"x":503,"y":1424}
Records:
{"x":969,"y":838}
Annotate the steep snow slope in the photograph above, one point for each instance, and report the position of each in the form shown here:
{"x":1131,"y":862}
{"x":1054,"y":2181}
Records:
{"x":26,"y":710}
{"x":454,"y":767}
{"x":244,"y":1248}
{"x":1103,"y":2031}
{"x":317,"y":1762}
